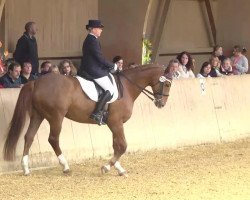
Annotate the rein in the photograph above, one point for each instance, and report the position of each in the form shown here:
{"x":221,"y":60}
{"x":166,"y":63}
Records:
{"x":144,"y":90}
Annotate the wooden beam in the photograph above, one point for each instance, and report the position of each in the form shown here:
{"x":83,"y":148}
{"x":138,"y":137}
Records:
{"x":211,"y":19}
{"x":2,"y":2}
{"x":163,"y":8}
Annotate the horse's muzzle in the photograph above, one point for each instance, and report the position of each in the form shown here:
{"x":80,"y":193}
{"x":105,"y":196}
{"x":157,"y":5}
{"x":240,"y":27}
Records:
{"x":159,"y":103}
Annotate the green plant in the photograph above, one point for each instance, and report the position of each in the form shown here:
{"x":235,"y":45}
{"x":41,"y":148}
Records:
{"x":146,"y":51}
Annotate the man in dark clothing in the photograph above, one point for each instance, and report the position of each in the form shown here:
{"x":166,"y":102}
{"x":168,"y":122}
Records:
{"x":12,"y":78}
{"x":94,"y":64}
{"x":26,"y":73}
{"x":26,"y":48}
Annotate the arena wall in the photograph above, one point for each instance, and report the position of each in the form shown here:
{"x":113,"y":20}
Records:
{"x":191,"y":117}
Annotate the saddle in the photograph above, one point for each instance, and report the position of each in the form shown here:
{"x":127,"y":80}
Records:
{"x":93,"y":90}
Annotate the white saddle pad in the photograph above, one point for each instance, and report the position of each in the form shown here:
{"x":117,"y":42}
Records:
{"x":89,"y":88}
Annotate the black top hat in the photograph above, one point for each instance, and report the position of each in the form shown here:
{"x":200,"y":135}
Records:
{"x":94,"y":24}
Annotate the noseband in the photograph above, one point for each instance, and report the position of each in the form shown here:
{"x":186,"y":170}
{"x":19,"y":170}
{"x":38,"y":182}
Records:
{"x":149,"y":94}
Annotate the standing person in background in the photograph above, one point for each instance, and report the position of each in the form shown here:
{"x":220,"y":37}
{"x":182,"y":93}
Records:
{"x":119,"y":61}
{"x":186,"y":65}
{"x":218,"y":52}
{"x":26,"y":48}
{"x":239,"y":61}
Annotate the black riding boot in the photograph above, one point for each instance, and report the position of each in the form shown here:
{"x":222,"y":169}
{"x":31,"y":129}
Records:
{"x":97,"y":115}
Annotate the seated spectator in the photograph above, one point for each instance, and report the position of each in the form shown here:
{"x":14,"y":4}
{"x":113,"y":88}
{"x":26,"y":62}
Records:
{"x":205,"y":70}
{"x":172,"y":68}
{"x":186,"y":65}
{"x":55,"y":69}
{"x":218,"y":52}
{"x":12,"y":78}
{"x":226,"y":67}
{"x":118,"y":60}
{"x":215,"y":67}
{"x":45,"y":68}
{"x":26,"y":73}
{"x":240,"y":62}
{"x":67,"y":68}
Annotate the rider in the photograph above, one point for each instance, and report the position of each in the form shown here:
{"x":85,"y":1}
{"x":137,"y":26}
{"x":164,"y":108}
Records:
{"x":94,"y":64}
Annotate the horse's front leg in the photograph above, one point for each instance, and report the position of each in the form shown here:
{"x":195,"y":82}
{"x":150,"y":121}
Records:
{"x":119,"y":146}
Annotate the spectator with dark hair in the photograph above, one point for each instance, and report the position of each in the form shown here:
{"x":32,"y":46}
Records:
{"x":173,"y":68}
{"x":26,"y":48}
{"x":218,"y":52}
{"x":186,"y":65}
{"x":45,"y":67}
{"x":26,"y":73}
{"x":205,"y":70}
{"x":66,"y":67}
{"x":240,"y":62}
{"x":118,"y":60}
{"x":215,"y":66}
{"x":226,"y":67}
{"x":12,"y":79}
{"x":244,"y":51}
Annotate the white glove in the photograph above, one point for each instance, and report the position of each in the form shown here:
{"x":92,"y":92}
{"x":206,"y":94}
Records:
{"x":114,"y":69}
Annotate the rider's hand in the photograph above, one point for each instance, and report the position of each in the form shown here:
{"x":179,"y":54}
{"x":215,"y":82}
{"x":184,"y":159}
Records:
{"x":114,"y":69}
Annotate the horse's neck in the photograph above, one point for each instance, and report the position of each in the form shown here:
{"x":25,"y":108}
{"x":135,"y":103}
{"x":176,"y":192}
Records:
{"x":141,"y":78}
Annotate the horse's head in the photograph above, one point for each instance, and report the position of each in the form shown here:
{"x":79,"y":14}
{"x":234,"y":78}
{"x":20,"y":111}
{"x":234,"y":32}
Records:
{"x":161,"y":89}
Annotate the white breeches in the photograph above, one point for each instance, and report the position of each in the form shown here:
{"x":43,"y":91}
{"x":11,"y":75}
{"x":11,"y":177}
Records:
{"x":105,"y":83}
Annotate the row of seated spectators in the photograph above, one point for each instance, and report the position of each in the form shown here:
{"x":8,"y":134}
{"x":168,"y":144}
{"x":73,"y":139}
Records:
{"x":14,"y":75}
{"x":218,"y":65}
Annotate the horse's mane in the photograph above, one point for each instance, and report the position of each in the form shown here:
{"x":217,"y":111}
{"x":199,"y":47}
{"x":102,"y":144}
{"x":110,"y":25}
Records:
{"x":141,"y":68}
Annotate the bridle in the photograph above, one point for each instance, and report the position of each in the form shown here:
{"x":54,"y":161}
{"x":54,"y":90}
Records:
{"x":163,"y":81}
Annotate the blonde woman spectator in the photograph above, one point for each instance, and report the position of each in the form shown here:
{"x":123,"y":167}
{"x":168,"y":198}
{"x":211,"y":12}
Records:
{"x":215,"y":67}
{"x":186,"y":65}
{"x":205,"y":70}
{"x":55,"y":69}
{"x":67,"y":68}
{"x":239,"y":61}
{"x":226,"y":67}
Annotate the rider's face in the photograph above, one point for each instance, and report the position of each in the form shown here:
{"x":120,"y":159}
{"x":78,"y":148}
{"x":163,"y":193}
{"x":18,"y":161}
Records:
{"x":97,"y":31}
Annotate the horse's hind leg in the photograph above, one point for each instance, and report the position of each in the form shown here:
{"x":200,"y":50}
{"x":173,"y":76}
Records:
{"x":55,"y":129}
{"x":119,"y":146}
{"x":35,"y":122}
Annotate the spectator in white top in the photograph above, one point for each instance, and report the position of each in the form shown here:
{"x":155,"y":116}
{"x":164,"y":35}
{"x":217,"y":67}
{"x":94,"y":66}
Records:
{"x":186,"y":65}
{"x":205,"y":70}
{"x":239,"y":61}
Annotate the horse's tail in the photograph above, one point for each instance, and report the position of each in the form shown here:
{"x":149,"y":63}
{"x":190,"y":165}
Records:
{"x":18,"y":120}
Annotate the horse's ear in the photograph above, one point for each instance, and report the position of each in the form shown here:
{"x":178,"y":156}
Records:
{"x":169,"y":75}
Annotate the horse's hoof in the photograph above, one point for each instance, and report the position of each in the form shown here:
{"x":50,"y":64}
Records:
{"x":26,"y":173}
{"x":124,"y":174}
{"x":67,"y":171}
{"x":104,"y":169}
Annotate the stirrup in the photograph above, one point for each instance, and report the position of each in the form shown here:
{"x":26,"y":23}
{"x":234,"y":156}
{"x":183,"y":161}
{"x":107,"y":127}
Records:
{"x":98,"y":117}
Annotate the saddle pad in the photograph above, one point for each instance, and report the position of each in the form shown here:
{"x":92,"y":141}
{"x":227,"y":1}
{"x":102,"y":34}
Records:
{"x":90,"y":90}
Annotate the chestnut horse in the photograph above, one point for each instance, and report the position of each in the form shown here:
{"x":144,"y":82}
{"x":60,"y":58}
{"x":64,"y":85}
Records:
{"x":53,"y":97}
